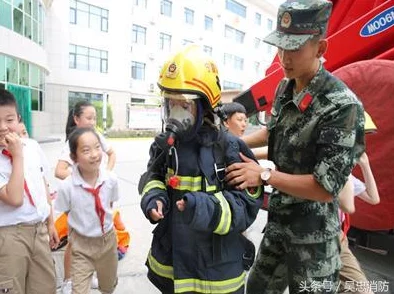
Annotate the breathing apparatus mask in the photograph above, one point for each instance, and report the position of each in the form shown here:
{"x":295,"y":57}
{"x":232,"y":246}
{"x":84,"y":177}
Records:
{"x":182,"y":114}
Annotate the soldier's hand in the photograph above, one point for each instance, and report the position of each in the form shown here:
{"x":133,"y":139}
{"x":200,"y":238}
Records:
{"x":245,"y":174}
{"x":157,"y":214}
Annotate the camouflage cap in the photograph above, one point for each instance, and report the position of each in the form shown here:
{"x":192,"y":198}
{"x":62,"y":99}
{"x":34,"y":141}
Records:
{"x":299,"y":21}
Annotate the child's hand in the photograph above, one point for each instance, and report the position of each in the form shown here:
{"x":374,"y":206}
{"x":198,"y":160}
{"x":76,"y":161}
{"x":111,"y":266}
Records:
{"x":53,"y":236}
{"x":157,"y":214}
{"x":181,"y":205}
{"x":13,"y":144}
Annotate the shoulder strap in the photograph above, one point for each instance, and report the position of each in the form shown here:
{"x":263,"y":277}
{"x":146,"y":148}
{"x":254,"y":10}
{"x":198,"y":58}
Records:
{"x":212,"y":162}
{"x":219,"y":159}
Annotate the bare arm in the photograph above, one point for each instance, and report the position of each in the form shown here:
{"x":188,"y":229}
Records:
{"x":371,"y":194}
{"x":346,"y":197}
{"x":111,"y":159}
{"x":299,"y":186}
{"x":257,"y":138}
{"x":260,"y":153}
{"x":247,"y":174}
{"x":12,"y":193}
{"x":53,"y":236}
{"x":62,"y":170}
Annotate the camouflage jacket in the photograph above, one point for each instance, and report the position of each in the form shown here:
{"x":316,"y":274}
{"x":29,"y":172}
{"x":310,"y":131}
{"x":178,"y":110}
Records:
{"x":319,"y":131}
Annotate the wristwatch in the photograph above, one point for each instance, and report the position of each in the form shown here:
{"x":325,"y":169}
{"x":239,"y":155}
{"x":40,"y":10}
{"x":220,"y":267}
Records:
{"x":265,"y":176}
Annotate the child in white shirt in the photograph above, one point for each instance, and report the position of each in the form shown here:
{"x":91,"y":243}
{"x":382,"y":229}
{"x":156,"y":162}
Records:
{"x":87,"y":196}
{"x":27,"y":231}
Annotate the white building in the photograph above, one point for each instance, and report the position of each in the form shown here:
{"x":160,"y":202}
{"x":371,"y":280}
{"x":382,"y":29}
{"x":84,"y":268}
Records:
{"x":56,"y":52}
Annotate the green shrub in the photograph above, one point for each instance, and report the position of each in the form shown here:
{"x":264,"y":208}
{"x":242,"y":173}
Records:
{"x":132,"y":133}
{"x":99,"y":111}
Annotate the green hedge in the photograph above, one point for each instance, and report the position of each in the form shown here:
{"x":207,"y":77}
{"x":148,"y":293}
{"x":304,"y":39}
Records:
{"x":99,"y":111}
{"x":132,"y":133}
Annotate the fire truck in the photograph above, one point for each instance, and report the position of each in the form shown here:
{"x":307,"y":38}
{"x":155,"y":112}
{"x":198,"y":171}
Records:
{"x":361,"y":53}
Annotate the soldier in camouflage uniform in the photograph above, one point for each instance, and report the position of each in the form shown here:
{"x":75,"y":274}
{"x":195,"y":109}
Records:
{"x":315,"y":136}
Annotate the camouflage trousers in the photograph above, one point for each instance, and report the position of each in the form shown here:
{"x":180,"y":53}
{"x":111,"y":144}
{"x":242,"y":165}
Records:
{"x":305,"y":268}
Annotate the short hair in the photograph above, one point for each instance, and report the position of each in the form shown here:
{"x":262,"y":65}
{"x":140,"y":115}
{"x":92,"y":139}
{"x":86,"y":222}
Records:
{"x":230,"y":108}
{"x":7,"y":99}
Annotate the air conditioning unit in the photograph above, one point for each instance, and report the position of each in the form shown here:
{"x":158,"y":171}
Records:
{"x":151,"y":56}
{"x":151,"y":87}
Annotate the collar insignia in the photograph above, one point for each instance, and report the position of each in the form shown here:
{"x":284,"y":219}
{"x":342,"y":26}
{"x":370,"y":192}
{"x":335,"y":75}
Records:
{"x":305,"y":101}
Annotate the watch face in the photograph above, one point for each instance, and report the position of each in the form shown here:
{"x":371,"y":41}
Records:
{"x":266,"y":174}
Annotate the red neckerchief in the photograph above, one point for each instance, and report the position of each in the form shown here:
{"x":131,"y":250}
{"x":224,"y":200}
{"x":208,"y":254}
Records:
{"x":27,"y":191}
{"x":97,"y":203}
{"x":346,"y":223}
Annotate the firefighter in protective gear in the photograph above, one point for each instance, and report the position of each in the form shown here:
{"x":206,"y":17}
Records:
{"x":197,"y":245}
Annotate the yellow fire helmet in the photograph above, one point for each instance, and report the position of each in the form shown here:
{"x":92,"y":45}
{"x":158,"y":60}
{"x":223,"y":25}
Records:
{"x":191,"y":71}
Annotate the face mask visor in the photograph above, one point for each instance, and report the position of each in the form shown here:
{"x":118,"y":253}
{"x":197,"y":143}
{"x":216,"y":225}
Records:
{"x":180,"y":111}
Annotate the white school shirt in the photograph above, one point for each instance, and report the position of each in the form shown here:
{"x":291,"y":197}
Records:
{"x":358,"y":186}
{"x":65,"y":153}
{"x":80,"y":204}
{"x":33,"y":168}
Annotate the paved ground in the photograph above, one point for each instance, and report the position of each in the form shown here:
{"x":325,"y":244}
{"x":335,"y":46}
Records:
{"x":132,"y":156}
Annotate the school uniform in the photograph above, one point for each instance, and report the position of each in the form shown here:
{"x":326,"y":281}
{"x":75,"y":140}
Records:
{"x":26,"y":264}
{"x":351,"y":273}
{"x":92,"y":235}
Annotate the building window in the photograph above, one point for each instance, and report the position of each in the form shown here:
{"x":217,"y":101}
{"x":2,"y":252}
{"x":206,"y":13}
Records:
{"x":139,"y":35}
{"x":21,"y":73}
{"x":165,"y":42}
{"x":166,"y":8}
{"x":74,"y":97}
{"x":23,"y":17}
{"x":236,"y":7}
{"x":89,"y":16}
{"x":234,"y":34}
{"x":84,"y":58}
{"x":231,"y":85}
{"x":5,"y":15}
{"x":208,"y":23}
{"x":257,"y":19}
{"x":189,"y":16}
{"x":141,"y":3}
{"x":233,"y":61}
{"x":2,"y":68}
{"x":269,"y":24}
{"x":208,"y":50}
{"x":138,"y":70}
{"x":18,"y":19}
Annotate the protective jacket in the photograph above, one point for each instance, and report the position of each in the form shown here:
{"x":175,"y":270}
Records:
{"x":200,"y":249}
